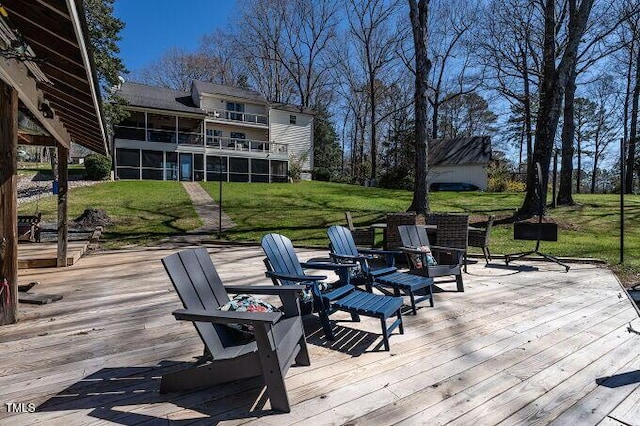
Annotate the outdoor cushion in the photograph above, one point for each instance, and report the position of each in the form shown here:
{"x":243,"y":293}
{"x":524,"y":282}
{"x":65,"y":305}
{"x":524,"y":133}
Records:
{"x":431,"y":261}
{"x":246,"y":303}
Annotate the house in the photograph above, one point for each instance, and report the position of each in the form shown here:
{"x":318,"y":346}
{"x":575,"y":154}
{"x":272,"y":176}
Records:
{"x":461,"y":159}
{"x":209,"y":133}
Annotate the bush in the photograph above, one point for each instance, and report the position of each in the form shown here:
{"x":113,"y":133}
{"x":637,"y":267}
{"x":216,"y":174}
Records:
{"x":98,"y":167}
{"x":322,"y":174}
{"x":502,"y":184}
{"x":397,"y":178}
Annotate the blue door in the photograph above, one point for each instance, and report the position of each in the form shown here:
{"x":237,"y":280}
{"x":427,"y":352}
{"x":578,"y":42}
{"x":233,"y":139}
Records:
{"x":186,"y":167}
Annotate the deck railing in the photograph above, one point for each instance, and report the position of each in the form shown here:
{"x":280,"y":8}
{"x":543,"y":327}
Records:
{"x":245,"y":117}
{"x":247,"y":145}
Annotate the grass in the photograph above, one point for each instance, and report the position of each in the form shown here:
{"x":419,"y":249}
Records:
{"x":143,"y":212}
{"x":147,"y":211}
{"x":304,"y":210}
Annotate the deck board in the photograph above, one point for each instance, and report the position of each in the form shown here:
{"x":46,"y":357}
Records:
{"x":521,"y":345}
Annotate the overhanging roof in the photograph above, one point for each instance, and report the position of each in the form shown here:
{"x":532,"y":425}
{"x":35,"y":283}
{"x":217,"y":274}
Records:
{"x":56,"y":32}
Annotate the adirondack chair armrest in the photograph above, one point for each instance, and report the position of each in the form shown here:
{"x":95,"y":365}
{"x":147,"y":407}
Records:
{"x":329,"y":266}
{"x":298,"y":278}
{"x":410,"y":250}
{"x":390,"y":255}
{"x":226,"y":317}
{"x":356,"y":258}
{"x":264,"y":289}
{"x":379,"y":252}
{"x":449,"y":249}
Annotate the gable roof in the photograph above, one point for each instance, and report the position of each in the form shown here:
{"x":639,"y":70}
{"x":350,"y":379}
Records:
{"x":142,"y":95}
{"x":460,"y":150}
{"x":219,"y":89}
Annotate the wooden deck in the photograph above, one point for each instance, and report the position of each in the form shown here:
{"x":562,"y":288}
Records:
{"x":527,"y":344}
{"x":45,"y":255}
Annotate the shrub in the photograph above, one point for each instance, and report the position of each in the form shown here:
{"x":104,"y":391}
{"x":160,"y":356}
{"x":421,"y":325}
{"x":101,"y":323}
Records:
{"x":503,"y":184}
{"x":397,"y":178}
{"x":322,"y":174}
{"x":98,"y":167}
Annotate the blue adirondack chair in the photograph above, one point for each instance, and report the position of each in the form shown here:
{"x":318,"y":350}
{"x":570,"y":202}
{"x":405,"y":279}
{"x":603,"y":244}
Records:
{"x":284,"y":268}
{"x":343,"y":248}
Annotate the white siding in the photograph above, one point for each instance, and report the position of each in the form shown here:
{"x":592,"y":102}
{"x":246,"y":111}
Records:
{"x":299,"y":136}
{"x":475,"y":174}
{"x":220,"y":103}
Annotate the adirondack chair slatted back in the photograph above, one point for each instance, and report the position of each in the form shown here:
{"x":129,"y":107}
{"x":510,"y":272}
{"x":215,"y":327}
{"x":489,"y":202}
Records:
{"x":414,"y":237}
{"x":281,"y":257}
{"x":341,"y":241}
{"x":199,"y":287}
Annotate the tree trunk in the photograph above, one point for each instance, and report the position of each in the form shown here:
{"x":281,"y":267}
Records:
{"x":552,"y":86}
{"x":434,"y":118}
{"x":633,"y":131}
{"x":419,"y":14}
{"x":568,"y":134}
{"x":593,"y":172}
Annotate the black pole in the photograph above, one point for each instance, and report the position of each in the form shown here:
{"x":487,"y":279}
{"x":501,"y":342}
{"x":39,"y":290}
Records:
{"x":623,"y":154}
{"x":554,"y":199}
{"x":220,"y":200}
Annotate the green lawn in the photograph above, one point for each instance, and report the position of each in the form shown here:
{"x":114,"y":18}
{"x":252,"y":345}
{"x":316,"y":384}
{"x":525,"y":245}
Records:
{"x":147,"y":211}
{"x":143,"y":211}
{"x":304,"y":210}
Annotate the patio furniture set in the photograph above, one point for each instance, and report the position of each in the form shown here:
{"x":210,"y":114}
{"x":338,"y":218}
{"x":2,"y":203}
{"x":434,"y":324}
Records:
{"x":245,"y":337}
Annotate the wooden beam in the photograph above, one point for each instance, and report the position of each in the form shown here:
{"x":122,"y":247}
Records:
{"x":36,"y":140}
{"x":8,"y":203}
{"x":63,"y":187}
{"x":17,"y":75}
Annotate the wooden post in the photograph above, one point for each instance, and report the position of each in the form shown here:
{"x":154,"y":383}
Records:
{"x":8,"y":203}
{"x":63,"y":186}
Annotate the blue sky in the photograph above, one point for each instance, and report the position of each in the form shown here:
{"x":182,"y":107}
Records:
{"x":152,"y":26}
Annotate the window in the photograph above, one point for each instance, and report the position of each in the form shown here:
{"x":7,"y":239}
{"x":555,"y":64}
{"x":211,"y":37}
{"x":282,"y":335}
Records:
{"x":128,"y":157}
{"x":198,"y":167}
{"x":171,"y":169}
{"x":292,"y":119}
{"x":216,"y":168}
{"x":239,"y":169}
{"x":237,"y":138}
{"x":238,"y":108}
{"x":132,"y":127}
{"x":259,"y":170}
{"x":213,"y":137}
{"x":161,"y":128}
{"x":152,"y":165}
{"x":128,"y":163}
{"x":279,"y":171}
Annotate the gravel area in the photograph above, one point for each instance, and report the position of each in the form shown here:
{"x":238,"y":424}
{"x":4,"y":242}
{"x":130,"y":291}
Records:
{"x":32,"y":190}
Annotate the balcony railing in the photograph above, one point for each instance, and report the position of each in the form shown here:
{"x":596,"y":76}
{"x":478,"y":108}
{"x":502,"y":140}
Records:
{"x":245,"y":117}
{"x":247,"y":145}
{"x":216,"y":142}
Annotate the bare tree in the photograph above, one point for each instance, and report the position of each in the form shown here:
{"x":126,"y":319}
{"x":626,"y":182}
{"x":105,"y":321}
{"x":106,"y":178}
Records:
{"x":607,"y":101}
{"x":509,"y":46}
{"x":553,"y":84}
{"x":597,"y":44}
{"x":177,"y":68}
{"x":377,"y":40}
{"x":419,"y":15}
{"x":452,"y":72}
{"x":261,"y":44}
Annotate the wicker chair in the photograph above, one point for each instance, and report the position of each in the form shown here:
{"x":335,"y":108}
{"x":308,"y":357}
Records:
{"x":480,"y":238}
{"x":364,"y":237}
{"x":394,"y":220}
{"x":453,"y":231}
